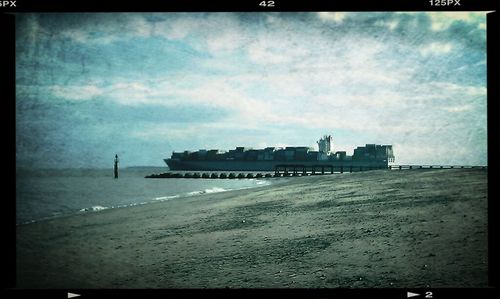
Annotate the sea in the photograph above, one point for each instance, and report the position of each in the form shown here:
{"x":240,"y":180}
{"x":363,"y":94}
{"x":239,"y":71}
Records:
{"x":49,"y":193}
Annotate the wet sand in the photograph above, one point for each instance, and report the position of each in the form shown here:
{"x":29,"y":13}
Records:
{"x":376,"y":229}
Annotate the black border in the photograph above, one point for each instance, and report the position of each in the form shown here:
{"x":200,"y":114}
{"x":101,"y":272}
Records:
{"x":241,"y":5}
{"x":492,"y":66}
{"x":261,"y":293}
{"x":7,"y":90}
{"x":8,"y":94}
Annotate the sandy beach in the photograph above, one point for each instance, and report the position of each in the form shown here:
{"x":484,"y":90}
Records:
{"x":375,"y":229}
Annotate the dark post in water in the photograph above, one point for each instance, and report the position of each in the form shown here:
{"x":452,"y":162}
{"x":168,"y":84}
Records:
{"x":116,"y":166}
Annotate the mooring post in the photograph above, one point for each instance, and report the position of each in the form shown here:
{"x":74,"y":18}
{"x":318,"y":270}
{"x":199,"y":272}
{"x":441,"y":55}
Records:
{"x":116,"y":167}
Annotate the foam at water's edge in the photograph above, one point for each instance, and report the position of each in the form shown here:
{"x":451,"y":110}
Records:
{"x":163,"y":198}
{"x":94,"y":208}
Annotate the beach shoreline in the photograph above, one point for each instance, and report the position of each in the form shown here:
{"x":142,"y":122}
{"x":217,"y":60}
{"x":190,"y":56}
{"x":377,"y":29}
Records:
{"x":53,"y":193}
{"x":375,"y":229}
{"x":99,"y":208}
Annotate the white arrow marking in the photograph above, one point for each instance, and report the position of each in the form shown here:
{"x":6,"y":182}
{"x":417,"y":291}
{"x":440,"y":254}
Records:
{"x":410,"y":294}
{"x":71,"y":295}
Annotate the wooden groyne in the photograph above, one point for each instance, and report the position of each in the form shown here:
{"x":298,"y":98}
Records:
{"x":210,"y":175}
{"x":298,"y":170}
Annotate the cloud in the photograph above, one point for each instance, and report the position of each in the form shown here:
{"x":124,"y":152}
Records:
{"x":443,"y":20}
{"x":86,"y":92}
{"x":436,"y":48}
{"x":216,"y":93}
{"x":437,"y":151}
{"x":169,"y":132}
{"x":452,"y":90}
{"x":462,"y":108}
{"x":390,"y":24}
{"x":98,"y":28}
{"x":132,"y":93}
{"x":267,"y":55}
{"x":336,"y":17}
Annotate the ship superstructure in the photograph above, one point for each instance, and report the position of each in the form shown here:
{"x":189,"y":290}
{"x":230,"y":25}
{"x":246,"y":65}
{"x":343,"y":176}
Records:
{"x":249,"y":159}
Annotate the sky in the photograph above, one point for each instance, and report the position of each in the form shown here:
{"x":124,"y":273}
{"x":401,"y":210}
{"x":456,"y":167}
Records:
{"x":142,"y":85}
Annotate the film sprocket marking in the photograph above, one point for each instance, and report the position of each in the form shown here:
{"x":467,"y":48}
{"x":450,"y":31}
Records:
{"x":8,"y":4}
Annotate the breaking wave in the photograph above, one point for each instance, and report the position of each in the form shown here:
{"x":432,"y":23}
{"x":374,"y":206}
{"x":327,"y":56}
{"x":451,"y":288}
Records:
{"x":207,"y":191}
{"x":94,"y":209}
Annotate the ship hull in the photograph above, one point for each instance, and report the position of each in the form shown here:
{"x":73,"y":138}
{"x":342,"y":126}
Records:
{"x":228,"y":165}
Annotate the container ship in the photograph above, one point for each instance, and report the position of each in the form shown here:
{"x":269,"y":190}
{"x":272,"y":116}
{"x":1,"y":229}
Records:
{"x":271,"y":158}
